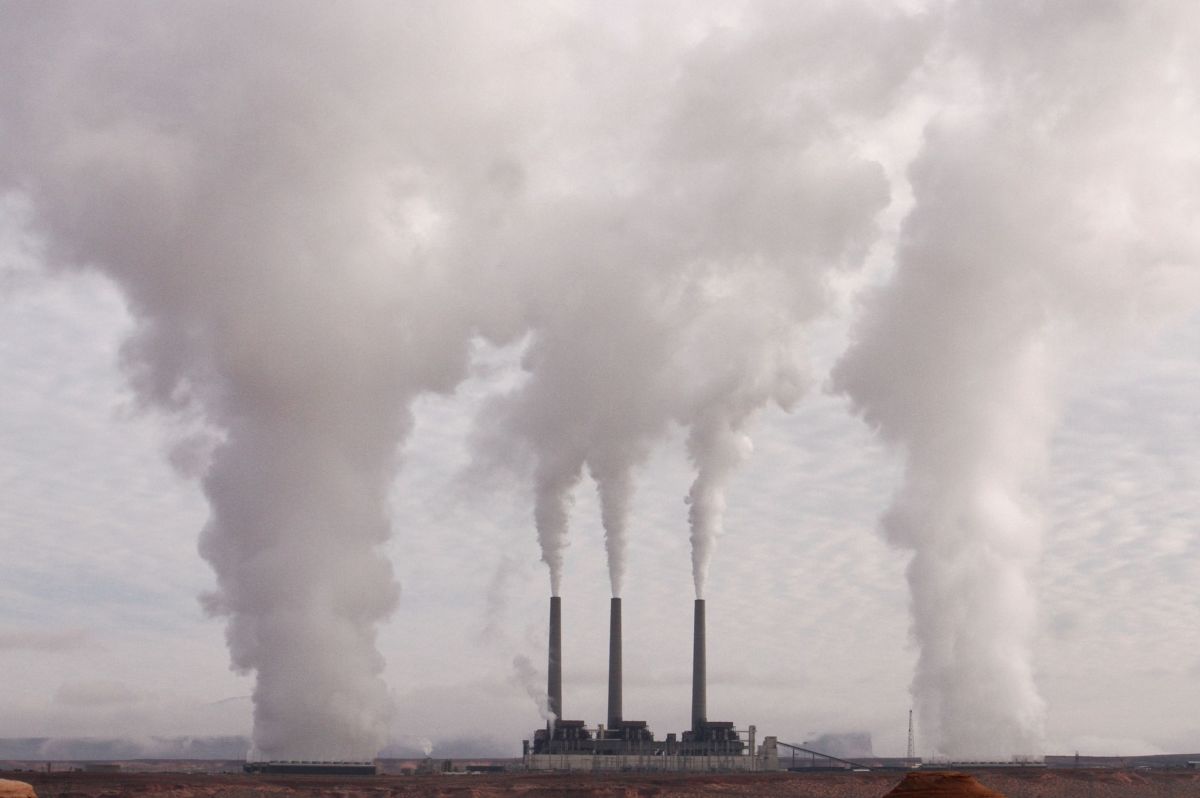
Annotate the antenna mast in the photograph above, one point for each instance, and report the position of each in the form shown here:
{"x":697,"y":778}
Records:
{"x":912,"y":747}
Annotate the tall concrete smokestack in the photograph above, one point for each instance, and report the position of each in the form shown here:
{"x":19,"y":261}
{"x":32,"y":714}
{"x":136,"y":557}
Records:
{"x":554,"y":671}
{"x":699,"y":680}
{"x":614,"y":664}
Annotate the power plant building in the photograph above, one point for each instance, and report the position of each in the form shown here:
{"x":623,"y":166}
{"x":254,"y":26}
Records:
{"x":311,"y":768}
{"x":629,"y":744}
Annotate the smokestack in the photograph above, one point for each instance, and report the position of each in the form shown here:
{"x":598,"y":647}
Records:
{"x":614,"y":664}
{"x":554,"y":671}
{"x":699,"y":681}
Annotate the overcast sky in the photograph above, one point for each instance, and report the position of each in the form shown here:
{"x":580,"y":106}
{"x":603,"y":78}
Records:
{"x":102,"y":632}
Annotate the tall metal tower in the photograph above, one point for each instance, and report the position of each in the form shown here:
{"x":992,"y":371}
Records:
{"x":912,"y":746}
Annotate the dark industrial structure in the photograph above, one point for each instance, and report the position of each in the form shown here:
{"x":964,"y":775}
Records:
{"x":312,"y":768}
{"x":626,"y":744}
{"x":554,"y":671}
{"x":614,"y":663}
{"x":705,"y":736}
{"x":559,"y":735}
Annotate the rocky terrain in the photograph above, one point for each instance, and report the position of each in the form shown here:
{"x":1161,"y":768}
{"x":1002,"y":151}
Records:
{"x":1012,"y":783}
{"x":15,"y":789}
{"x":922,"y":784}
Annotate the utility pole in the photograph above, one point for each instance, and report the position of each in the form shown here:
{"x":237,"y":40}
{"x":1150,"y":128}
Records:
{"x":912,"y":745}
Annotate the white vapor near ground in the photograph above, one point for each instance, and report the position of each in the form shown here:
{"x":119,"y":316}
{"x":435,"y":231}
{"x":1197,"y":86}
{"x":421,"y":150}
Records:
{"x":318,"y":217}
{"x":264,"y":209}
{"x":1049,"y":214}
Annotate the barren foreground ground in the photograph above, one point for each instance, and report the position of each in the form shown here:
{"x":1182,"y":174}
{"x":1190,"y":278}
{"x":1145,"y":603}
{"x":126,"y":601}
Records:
{"x":1014,"y":783}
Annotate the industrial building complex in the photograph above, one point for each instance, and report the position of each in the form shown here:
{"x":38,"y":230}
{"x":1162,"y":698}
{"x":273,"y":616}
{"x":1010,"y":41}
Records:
{"x":307,"y":767}
{"x":622,"y":744}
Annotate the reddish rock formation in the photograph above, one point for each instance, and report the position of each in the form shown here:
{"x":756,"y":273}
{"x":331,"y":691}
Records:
{"x":1010,"y":782}
{"x":941,"y":785}
{"x":16,"y":789}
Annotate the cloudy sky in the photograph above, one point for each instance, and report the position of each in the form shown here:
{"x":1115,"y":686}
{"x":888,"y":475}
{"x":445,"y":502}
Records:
{"x":585,"y":212}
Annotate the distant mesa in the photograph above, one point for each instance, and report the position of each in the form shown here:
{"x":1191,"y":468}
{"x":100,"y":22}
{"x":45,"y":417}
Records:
{"x":16,"y":789}
{"x":941,"y":785}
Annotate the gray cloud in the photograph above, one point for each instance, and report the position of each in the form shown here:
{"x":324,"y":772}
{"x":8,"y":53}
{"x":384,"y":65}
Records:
{"x":47,"y":640}
{"x":96,"y":693}
{"x":319,"y":220}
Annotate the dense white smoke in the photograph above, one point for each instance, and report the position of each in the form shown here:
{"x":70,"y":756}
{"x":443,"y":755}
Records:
{"x":674,"y":278}
{"x":1054,"y":201}
{"x":312,"y":210}
{"x":254,"y":180}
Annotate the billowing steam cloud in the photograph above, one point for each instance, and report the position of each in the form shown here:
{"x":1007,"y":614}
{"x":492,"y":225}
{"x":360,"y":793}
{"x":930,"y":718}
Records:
{"x":312,"y":211}
{"x":259,"y":190}
{"x":1046,"y":205}
{"x":676,"y":280}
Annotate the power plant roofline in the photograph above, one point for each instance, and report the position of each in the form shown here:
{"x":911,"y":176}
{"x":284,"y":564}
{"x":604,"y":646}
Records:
{"x":622,"y":738}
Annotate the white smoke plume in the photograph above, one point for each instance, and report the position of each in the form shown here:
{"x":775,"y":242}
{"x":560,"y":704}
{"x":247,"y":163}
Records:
{"x":312,"y":210}
{"x":674,"y":281}
{"x":526,"y":676}
{"x":1054,"y":203}
{"x":752,"y":353}
{"x":256,"y":182}
{"x":717,"y":448}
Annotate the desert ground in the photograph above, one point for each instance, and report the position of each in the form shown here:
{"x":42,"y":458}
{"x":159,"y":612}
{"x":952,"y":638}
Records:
{"x":1013,"y":783}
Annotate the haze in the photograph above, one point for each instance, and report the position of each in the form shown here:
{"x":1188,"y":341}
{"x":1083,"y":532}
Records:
{"x":876,"y":325}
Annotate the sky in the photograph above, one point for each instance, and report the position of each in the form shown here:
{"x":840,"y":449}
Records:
{"x":544,"y":225}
